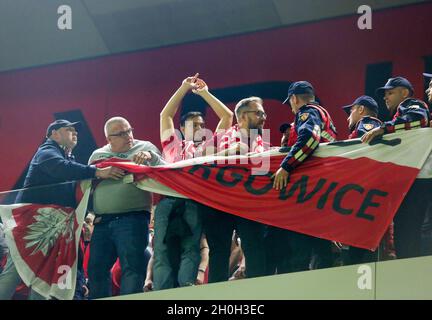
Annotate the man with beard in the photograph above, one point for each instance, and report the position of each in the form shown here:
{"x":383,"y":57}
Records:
{"x":408,"y":113}
{"x":243,"y":137}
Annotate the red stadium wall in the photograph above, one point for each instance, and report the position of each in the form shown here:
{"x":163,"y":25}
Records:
{"x":331,"y":54}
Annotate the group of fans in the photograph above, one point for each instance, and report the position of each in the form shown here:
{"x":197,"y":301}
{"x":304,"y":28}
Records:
{"x":194,"y":243}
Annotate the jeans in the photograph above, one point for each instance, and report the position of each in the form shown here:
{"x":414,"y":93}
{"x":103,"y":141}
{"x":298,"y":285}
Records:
{"x":178,"y":229}
{"x":10,"y":280}
{"x":125,"y":237}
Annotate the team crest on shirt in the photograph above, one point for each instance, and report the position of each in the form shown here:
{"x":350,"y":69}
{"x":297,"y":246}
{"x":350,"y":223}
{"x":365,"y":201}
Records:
{"x":304,"y":116}
{"x":368,"y":126}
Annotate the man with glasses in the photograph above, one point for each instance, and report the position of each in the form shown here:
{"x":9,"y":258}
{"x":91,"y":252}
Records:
{"x":246,"y":135}
{"x":122,"y":215}
{"x":241,"y":138}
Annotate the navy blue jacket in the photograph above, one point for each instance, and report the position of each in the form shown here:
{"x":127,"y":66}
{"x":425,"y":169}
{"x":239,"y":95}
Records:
{"x":366,"y":124}
{"x":50,"y":165}
{"x":411,"y":113}
{"x":310,"y":128}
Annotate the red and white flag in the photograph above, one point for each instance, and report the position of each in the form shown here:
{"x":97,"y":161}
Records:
{"x":43,"y":241}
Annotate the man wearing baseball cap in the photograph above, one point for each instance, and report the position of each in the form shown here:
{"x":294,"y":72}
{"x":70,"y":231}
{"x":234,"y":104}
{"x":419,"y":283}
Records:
{"x":408,"y":113}
{"x":54,"y":163}
{"x":362,"y":118}
{"x":312,"y":125}
{"x":363,"y":113}
{"x":53,"y":172}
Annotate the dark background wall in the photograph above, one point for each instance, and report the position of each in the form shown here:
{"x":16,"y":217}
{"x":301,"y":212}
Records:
{"x":341,"y":61}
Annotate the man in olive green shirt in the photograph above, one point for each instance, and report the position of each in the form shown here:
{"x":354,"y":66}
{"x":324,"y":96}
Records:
{"x":122,"y":215}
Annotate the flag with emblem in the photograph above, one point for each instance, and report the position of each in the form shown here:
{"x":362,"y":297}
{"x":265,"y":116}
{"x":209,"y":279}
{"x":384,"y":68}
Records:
{"x":43,"y":242}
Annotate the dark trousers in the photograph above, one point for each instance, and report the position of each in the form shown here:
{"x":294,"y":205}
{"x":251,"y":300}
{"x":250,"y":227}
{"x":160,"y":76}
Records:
{"x":277,"y":250}
{"x":427,"y":232}
{"x":289,"y":251}
{"x":124,"y":236}
{"x":219,"y":227}
{"x":409,"y":219}
{"x":178,"y":230}
{"x":359,"y":255}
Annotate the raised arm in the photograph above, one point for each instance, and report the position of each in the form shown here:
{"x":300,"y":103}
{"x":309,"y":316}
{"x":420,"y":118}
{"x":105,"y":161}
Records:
{"x":170,"y":109}
{"x":222,"y":111}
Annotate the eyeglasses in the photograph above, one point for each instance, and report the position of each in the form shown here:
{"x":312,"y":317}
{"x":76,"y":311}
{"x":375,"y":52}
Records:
{"x":258,"y":113}
{"x":122,"y":134}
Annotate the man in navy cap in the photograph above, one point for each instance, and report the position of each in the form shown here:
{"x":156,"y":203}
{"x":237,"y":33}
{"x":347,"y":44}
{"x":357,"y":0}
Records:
{"x":313,"y":125}
{"x":54,"y":163}
{"x":408,"y":113}
{"x":53,"y":172}
{"x":362,"y":118}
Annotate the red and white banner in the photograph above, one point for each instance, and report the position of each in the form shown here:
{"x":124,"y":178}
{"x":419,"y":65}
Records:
{"x":347,"y":192}
{"x":43,"y":241}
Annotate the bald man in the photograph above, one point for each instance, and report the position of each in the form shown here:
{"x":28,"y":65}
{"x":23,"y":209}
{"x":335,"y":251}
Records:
{"x":122,"y":215}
